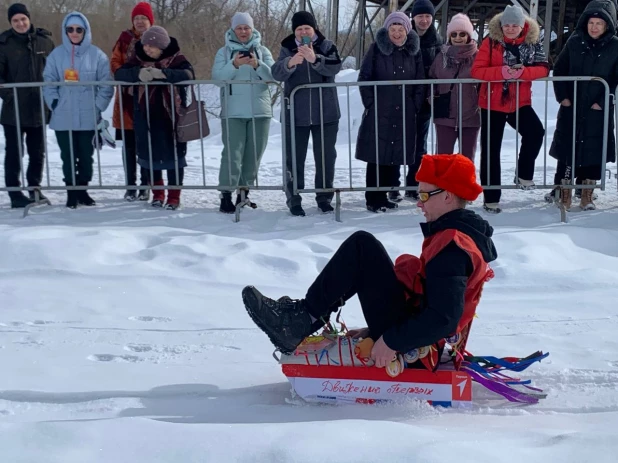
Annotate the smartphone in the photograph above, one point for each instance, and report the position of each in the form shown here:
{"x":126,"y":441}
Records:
{"x":244,"y":53}
{"x":306,"y":40}
{"x":517,"y":66}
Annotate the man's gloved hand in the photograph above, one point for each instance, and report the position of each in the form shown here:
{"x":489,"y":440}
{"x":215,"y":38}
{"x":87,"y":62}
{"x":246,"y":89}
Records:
{"x":145,"y":75}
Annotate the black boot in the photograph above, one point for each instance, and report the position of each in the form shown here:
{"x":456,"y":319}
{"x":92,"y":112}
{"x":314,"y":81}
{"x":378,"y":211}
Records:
{"x":252,"y":205}
{"x":227,"y":207}
{"x":286,"y":321}
{"x":32,"y":195}
{"x":83,"y":198}
{"x":19,"y":200}
{"x":72,"y":199}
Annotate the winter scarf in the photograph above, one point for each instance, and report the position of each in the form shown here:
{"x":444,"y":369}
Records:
{"x":453,"y":56}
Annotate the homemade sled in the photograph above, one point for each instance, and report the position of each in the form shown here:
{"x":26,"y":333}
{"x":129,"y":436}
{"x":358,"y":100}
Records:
{"x":329,"y":368}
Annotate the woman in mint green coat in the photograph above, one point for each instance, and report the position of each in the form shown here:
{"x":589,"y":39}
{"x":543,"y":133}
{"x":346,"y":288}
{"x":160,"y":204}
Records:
{"x":246,"y":109}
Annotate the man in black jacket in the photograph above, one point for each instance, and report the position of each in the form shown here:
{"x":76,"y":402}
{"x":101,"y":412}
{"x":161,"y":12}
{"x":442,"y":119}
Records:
{"x":423,"y":14}
{"x":23,"y":53}
{"x":400,"y":316}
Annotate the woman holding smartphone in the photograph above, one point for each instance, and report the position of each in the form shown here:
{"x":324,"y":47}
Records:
{"x":512,"y":52}
{"x":245,"y":108}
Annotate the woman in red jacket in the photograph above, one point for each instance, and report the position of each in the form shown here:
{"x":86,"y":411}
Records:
{"x":511,"y":52}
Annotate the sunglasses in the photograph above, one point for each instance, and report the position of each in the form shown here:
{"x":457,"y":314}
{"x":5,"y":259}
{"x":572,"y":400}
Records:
{"x":425,"y":195}
{"x":454,"y":35}
{"x":70,"y":30}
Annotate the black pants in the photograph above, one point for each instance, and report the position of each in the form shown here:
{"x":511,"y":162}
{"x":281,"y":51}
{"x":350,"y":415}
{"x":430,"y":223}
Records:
{"x":564,"y":170}
{"x":422,"y":131}
{"x":35,"y":144}
{"x":360,"y":266}
{"x":80,"y":163}
{"x":326,"y":172}
{"x":129,"y":159}
{"x":388,"y":176}
{"x":157,"y":176}
{"x":531,"y":131}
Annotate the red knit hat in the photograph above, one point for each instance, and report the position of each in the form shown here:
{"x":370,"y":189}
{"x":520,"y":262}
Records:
{"x":144,"y":9}
{"x":451,"y":172}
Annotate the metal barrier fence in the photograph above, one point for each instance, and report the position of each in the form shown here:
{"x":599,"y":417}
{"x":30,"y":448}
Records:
{"x":430,"y":83}
{"x":288,"y":104}
{"x":90,"y":89}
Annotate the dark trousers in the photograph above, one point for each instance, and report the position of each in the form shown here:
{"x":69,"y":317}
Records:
{"x":361,"y":266}
{"x":564,"y":170}
{"x":35,"y":144}
{"x":422,"y":131}
{"x":81,"y":161}
{"x":447,"y":136}
{"x":324,"y":174}
{"x":129,"y":158}
{"x":531,"y":131}
{"x":385,"y":176}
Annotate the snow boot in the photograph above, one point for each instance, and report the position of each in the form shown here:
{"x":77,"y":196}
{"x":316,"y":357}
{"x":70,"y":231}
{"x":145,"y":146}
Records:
{"x":226,"y":206}
{"x":286,"y":321}
{"x":566,"y":195}
{"x":252,"y":205}
{"x":158,"y":196}
{"x":173,"y":200}
{"x":587,"y":203}
{"x":83,"y":198}
{"x":19,"y":200}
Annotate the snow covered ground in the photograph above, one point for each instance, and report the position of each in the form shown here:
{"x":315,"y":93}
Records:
{"x":123,"y":336}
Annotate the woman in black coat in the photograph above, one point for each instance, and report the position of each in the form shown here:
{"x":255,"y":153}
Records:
{"x":591,"y":51}
{"x":395,"y":55}
{"x":158,"y":58}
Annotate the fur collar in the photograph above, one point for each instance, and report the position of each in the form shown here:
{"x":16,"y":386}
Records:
{"x":386,"y":47}
{"x":495,"y":30}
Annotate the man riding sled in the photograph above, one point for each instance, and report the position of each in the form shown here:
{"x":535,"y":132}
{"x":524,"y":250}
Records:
{"x":418,"y":301}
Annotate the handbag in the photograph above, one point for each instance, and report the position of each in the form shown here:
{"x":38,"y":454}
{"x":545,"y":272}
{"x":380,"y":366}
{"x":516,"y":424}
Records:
{"x":442,"y":102}
{"x":192,"y":123}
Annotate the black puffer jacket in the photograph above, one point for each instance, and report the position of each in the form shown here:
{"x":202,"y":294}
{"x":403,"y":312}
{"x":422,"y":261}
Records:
{"x":584,"y":56}
{"x":22,"y":60}
{"x":385,"y":61}
{"x":431,"y":44}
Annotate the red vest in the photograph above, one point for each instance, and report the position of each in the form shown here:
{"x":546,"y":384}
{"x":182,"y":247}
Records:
{"x":410,"y":270}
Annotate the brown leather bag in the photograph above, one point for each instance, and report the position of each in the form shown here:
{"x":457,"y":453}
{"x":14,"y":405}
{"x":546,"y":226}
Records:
{"x":190,"y":119}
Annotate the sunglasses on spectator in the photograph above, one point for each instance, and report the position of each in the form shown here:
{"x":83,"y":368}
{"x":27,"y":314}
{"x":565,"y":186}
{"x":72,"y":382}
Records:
{"x":70,"y":30}
{"x":425,"y":195}
{"x":454,"y":35}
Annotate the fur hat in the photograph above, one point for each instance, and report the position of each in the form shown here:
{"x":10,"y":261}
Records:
{"x":143,"y":9}
{"x":157,"y":37}
{"x":398,"y":18}
{"x":460,"y":22}
{"x":513,"y":15}
{"x":423,"y":7}
{"x":451,"y":172}
{"x":303,"y":18}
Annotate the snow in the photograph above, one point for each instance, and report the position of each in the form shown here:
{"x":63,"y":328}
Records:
{"x":123,"y":336}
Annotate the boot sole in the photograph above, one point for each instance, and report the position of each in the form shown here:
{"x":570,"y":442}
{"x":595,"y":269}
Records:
{"x":284,"y":349}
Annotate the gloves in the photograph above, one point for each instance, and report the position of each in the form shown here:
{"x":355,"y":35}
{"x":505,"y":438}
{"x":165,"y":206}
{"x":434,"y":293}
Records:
{"x":145,"y":75}
{"x":102,"y":136}
{"x":511,"y":74}
{"x":157,"y":73}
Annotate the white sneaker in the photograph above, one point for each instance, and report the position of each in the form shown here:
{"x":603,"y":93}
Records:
{"x":525,"y":184}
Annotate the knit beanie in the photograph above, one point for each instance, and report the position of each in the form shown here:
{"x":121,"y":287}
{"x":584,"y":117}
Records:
{"x":423,"y":7}
{"x":143,"y":9}
{"x":157,"y":37}
{"x":513,"y":15}
{"x":303,"y":18}
{"x":240,"y":19}
{"x":17,"y":8}
{"x":398,"y":18}
{"x":451,"y":172}
{"x":460,"y":22}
